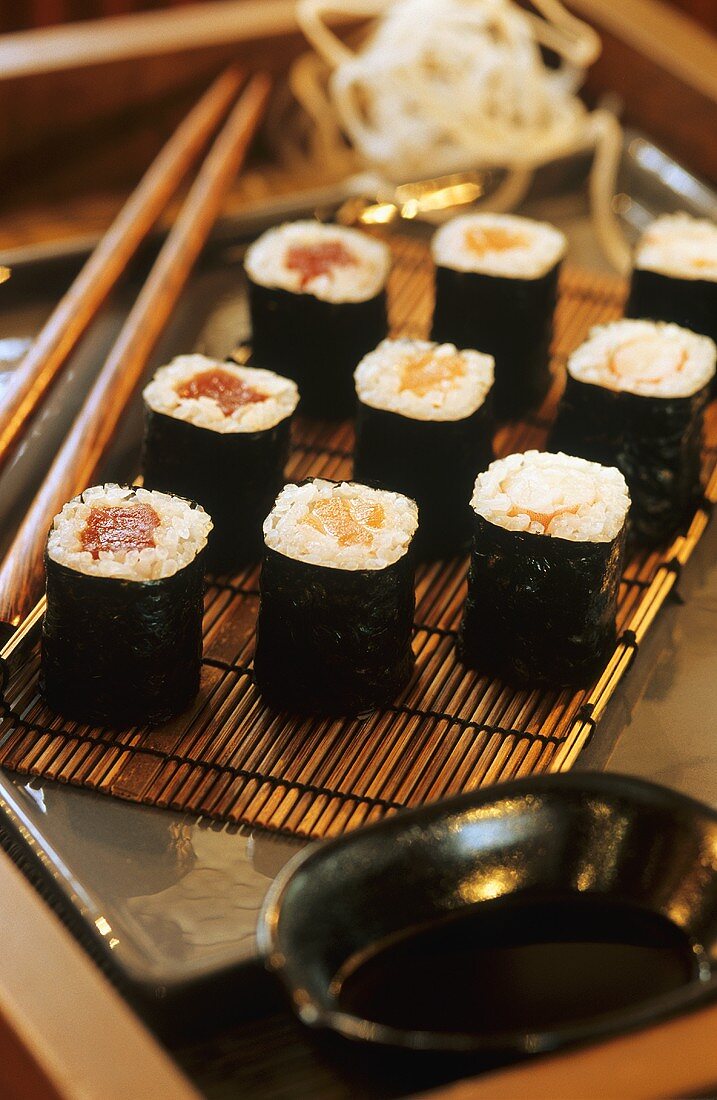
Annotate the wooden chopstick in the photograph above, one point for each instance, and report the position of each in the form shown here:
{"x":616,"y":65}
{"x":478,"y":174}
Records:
{"x":189,"y":26}
{"x":77,"y":308}
{"x":74,"y":467}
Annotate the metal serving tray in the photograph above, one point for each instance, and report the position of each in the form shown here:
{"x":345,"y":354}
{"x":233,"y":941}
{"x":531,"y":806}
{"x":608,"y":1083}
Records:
{"x":168,"y":904}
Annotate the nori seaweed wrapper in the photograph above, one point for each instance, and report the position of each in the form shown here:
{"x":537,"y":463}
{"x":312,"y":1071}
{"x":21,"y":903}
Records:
{"x":540,"y":610}
{"x":655,"y":442}
{"x":434,"y":462}
{"x":235,"y":476}
{"x":691,"y":303}
{"x":511,"y":319}
{"x":117,"y":652}
{"x":333,"y":641}
{"x":317,"y":343}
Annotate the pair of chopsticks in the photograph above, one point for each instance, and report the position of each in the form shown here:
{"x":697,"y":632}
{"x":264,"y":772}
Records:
{"x":91,"y":433}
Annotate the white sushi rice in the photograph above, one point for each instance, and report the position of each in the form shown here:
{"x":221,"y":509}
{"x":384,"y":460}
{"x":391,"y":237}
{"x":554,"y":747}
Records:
{"x":182,"y":533}
{"x":553,"y":494}
{"x":652,"y":359}
{"x":266,"y":262}
{"x":423,"y":380}
{"x":680,"y":246}
{"x":162,"y":396}
{"x":498,"y":244}
{"x":385,"y":523}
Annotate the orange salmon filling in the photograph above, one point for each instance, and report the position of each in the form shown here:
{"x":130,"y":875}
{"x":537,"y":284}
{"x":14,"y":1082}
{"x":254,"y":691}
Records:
{"x":544,"y":518}
{"x":582,"y":492}
{"x":426,"y":372}
{"x":647,"y":359}
{"x":493,"y":238}
{"x":229,"y":392}
{"x":125,"y":527}
{"x":312,"y":260}
{"x":345,"y":520}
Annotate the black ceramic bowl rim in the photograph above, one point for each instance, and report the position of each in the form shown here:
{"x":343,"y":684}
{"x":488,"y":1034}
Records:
{"x":516,"y":1042}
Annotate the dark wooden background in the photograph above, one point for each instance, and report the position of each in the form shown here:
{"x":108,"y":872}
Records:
{"x":19,"y":15}
{"x":22,"y":14}
{"x":73,"y":143}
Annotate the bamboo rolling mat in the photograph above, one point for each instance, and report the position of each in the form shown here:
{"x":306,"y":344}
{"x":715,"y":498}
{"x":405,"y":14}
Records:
{"x":233,"y":759}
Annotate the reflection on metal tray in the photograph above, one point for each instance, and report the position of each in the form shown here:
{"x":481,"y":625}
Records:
{"x":161,"y":910}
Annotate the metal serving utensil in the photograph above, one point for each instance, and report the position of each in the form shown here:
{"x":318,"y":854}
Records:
{"x":417,"y":199}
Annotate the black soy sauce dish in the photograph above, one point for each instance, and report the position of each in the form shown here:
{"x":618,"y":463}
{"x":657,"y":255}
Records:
{"x":508,"y":921}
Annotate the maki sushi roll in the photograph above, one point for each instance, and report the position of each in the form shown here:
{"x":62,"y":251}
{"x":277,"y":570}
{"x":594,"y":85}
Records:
{"x":122,"y":635}
{"x":496,"y":290}
{"x":219,"y":434}
{"x":674,"y":276}
{"x":317,"y":299}
{"x":635,"y":397}
{"x":424,"y":428}
{"x":337,"y":598}
{"x":545,"y":569}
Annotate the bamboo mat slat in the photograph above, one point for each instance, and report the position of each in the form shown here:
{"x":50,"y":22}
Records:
{"x":231,"y":758}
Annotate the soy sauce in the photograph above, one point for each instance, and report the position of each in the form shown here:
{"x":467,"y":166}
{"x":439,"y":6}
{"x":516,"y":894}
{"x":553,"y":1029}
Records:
{"x":527,"y":967}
